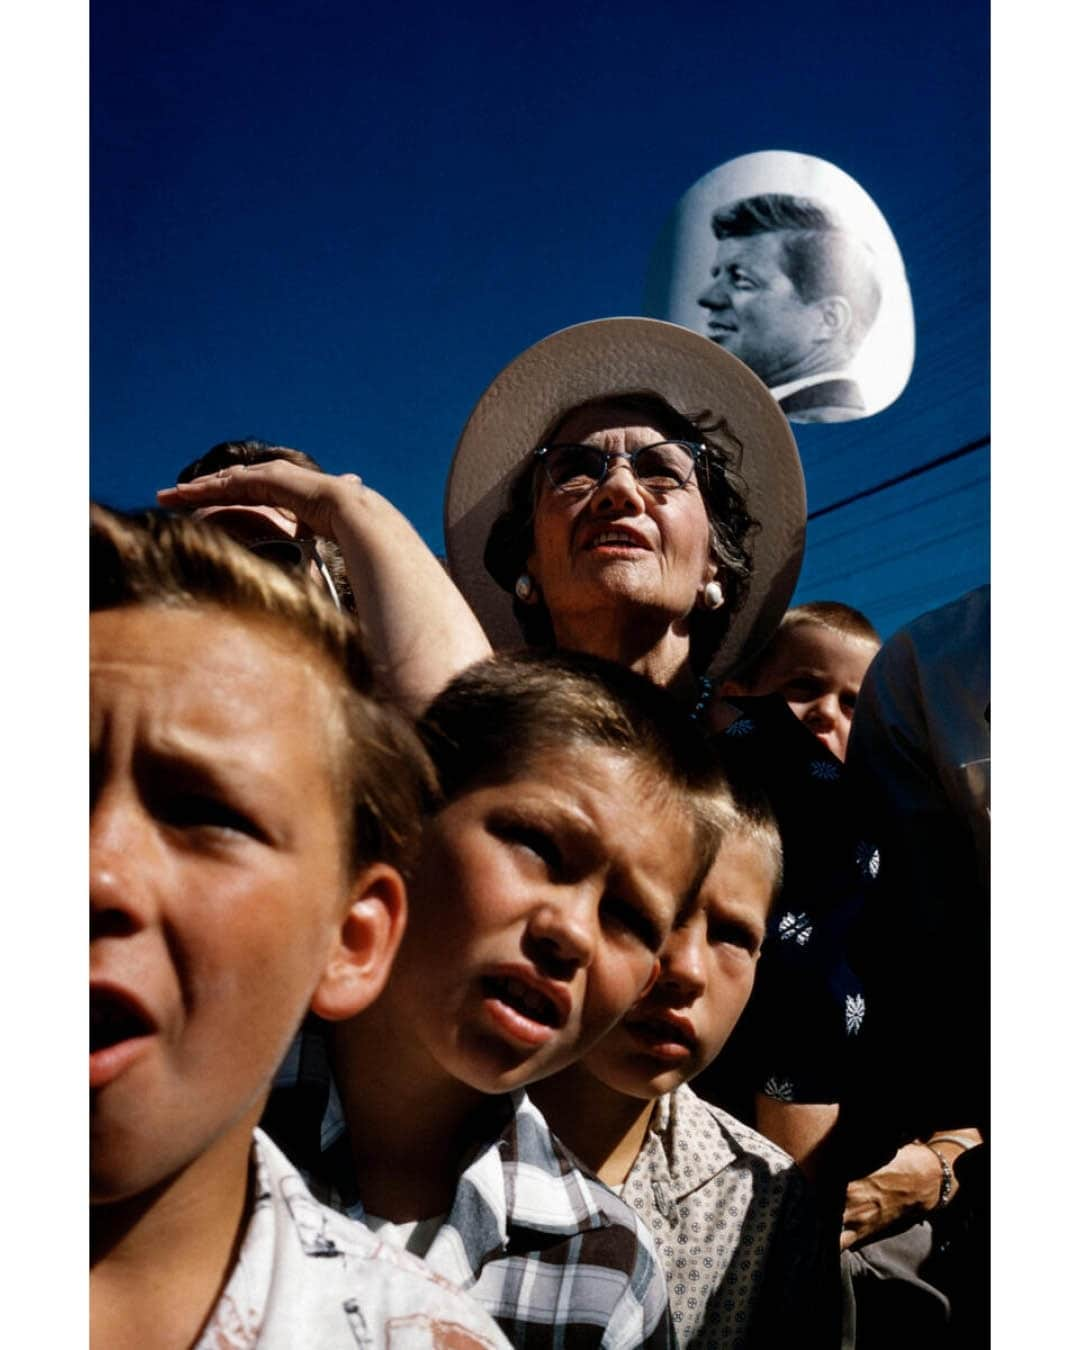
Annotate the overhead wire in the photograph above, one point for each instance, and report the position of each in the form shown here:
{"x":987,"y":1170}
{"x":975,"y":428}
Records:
{"x":919,"y":469}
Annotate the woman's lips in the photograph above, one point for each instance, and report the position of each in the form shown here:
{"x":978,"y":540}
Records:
{"x":614,"y":538}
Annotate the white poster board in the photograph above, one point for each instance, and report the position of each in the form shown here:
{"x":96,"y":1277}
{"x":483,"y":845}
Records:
{"x":784,"y":260}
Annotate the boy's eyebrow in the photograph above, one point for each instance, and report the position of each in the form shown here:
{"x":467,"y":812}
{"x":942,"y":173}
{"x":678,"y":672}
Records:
{"x":741,"y":915}
{"x":659,"y":905}
{"x":588,"y":848}
{"x":202,"y":760}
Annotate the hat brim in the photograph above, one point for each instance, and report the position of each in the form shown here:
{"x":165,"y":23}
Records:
{"x":611,"y":357}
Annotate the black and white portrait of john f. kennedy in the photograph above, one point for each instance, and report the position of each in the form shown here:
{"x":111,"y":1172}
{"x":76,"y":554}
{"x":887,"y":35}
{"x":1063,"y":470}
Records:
{"x":793,"y":294}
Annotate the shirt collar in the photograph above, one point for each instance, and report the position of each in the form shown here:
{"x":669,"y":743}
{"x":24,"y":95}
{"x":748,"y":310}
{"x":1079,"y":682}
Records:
{"x":523,"y":1178}
{"x":804,"y":382}
{"x":683,"y":1149}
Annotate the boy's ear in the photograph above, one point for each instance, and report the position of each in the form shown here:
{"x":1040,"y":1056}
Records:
{"x":731,"y":687}
{"x":367,"y":943}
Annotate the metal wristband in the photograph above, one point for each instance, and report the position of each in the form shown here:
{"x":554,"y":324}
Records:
{"x":946,"y":1178}
{"x":965,"y":1144}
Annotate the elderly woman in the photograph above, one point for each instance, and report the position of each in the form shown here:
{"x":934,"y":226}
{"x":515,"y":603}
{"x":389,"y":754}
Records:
{"x":636,"y":422}
{"x":624,"y":487}
{"x":620,"y":420}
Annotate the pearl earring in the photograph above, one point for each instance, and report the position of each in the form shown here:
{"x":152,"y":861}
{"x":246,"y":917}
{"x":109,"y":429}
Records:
{"x":712,"y":597}
{"x":524,"y":588}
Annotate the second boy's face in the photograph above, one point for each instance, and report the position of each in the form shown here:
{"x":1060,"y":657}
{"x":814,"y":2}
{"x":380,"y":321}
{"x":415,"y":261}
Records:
{"x":217,"y":880}
{"x":537,"y":914}
{"x":706,"y":974}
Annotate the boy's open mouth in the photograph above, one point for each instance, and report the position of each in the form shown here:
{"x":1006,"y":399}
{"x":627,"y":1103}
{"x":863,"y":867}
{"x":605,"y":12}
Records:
{"x":113,"y":1019}
{"x":523,"y":999}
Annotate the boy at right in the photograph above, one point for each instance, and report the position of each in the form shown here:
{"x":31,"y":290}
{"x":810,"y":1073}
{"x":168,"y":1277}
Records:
{"x":737,"y":1232}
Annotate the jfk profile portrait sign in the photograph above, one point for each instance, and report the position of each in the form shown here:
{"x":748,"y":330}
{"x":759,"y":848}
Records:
{"x":785,"y":261}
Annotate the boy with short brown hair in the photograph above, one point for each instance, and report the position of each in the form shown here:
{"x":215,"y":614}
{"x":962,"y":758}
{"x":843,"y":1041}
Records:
{"x":569,"y":837}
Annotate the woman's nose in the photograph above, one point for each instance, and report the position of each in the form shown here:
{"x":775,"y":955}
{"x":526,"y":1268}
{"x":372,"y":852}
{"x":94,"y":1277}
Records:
{"x":619,"y":489}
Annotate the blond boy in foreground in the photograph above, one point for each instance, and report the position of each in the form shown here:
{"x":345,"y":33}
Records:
{"x":252,"y":808}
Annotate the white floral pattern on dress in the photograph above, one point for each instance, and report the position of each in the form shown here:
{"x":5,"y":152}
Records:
{"x":867,"y":859}
{"x":825,"y":770}
{"x":854,"y":1012}
{"x":797,"y":926}
{"x":779,"y":1089}
{"x":742,"y":726}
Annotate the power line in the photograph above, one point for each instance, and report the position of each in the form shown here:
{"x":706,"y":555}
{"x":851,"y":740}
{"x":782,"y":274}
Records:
{"x":901,"y":477}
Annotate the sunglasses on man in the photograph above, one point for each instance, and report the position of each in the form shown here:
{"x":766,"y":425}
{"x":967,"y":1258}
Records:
{"x":293,"y":554}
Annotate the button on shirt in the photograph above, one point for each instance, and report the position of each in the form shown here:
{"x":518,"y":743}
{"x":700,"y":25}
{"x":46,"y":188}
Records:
{"x":554,"y":1256}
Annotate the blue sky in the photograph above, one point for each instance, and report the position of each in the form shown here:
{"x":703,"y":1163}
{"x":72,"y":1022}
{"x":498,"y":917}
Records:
{"x":331,"y":226}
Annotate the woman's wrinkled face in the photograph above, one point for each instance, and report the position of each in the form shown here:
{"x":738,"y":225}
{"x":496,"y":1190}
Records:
{"x":619,"y":545}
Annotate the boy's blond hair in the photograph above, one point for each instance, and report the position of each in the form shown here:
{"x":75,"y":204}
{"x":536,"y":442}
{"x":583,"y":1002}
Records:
{"x":379,"y":769}
{"x":833,"y":614}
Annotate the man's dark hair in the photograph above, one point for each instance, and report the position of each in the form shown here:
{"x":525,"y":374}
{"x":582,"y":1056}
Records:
{"x":250,"y":450}
{"x":247,"y":451}
{"x":819,"y":256}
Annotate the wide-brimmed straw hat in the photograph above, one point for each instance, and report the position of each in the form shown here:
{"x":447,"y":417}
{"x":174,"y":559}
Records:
{"x":613,"y":357}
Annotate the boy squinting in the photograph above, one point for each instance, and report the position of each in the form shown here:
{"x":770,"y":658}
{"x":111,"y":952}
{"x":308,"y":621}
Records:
{"x":568,"y":840}
{"x":251,"y":805}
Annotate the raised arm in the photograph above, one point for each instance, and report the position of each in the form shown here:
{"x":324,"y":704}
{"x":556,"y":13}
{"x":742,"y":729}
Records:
{"x":420,"y":628}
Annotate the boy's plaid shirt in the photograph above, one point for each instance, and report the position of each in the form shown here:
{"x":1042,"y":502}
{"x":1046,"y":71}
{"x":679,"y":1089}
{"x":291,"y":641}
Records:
{"x":556,"y":1258}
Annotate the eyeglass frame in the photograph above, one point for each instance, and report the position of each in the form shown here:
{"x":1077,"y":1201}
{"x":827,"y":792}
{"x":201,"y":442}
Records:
{"x":309,"y":552}
{"x":696,"y":448}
